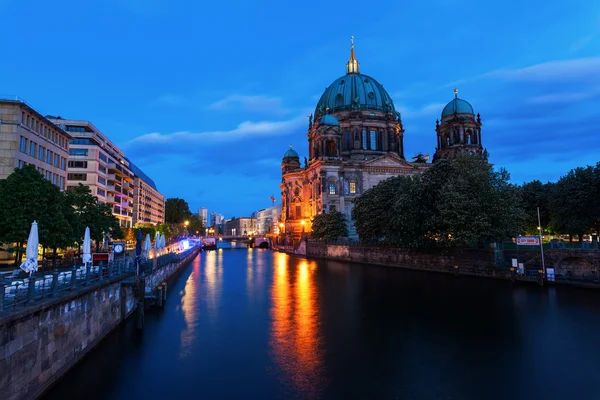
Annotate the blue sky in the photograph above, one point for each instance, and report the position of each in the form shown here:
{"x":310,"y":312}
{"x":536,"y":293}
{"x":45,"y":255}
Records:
{"x":206,"y":97}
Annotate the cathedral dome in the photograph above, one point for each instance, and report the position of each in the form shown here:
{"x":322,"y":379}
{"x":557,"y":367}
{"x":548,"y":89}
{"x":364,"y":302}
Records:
{"x":354,"y":91}
{"x":458,"y":106}
{"x":329,"y":119}
{"x":291,"y":153}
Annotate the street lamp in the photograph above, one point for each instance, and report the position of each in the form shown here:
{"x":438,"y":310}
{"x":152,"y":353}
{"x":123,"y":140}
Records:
{"x":186,"y":223}
{"x":303,"y":223}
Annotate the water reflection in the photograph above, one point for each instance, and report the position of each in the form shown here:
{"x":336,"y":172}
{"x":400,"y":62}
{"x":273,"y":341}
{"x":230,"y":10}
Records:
{"x":189,"y":307}
{"x":295,"y":333}
{"x":213,"y":278}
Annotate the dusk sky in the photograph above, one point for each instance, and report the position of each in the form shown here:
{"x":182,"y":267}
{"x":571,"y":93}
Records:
{"x":206,"y":96}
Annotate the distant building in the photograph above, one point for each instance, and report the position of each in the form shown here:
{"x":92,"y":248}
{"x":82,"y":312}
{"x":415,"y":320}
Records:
{"x":98,"y":163}
{"x":203,"y":214}
{"x":26,"y":137}
{"x":216,"y":219}
{"x":267,"y":220}
{"x":239,"y":226}
{"x":148,"y":203}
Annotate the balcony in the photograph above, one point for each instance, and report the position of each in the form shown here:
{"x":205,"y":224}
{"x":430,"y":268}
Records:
{"x":110,"y":199}
{"x":111,"y":178}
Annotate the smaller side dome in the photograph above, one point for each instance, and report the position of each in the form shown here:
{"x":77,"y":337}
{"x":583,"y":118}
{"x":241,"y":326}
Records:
{"x":458,"y":106}
{"x":329,"y":119}
{"x":291,"y":153}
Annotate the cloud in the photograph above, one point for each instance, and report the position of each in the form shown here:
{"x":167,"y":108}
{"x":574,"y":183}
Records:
{"x":565,"y":98}
{"x":584,"y":41}
{"x":255,"y":104}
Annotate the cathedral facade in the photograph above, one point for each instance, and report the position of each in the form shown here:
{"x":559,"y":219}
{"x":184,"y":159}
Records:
{"x":355,"y":141}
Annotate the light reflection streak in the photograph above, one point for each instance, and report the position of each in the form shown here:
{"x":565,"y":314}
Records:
{"x":189,"y":307}
{"x":295,"y":337}
{"x":213,"y":278}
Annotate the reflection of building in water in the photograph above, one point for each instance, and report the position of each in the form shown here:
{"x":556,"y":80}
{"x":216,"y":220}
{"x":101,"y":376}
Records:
{"x":189,"y":307}
{"x":295,"y":335}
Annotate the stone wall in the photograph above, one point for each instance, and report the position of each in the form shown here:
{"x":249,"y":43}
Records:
{"x":40,"y":344}
{"x":390,"y":256}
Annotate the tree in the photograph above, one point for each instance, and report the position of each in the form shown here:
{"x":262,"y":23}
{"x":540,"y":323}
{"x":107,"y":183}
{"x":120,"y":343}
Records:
{"x":165,"y":229}
{"x":456,"y":203}
{"x":176,"y":211}
{"x":330,"y":226}
{"x":196,"y":225}
{"x":574,"y":202}
{"x":25,"y":196}
{"x":535,"y":194}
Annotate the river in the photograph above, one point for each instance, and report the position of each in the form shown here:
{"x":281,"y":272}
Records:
{"x":257,"y":324}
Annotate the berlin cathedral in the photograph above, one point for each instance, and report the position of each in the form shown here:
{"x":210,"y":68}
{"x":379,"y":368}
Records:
{"x":355,"y":141}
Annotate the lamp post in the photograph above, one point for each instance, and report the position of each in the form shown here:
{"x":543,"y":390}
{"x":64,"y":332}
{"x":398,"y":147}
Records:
{"x":541,"y":245}
{"x":303,"y":223}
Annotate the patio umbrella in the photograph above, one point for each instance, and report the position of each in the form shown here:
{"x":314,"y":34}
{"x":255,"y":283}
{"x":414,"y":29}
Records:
{"x":163,"y":243}
{"x":87,"y":246}
{"x":138,"y":243}
{"x":31,"y":254}
{"x":157,"y":243}
{"x":147,"y":246}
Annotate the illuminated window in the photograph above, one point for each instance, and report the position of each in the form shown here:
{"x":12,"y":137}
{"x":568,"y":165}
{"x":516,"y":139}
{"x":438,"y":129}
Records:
{"x":353,"y":187}
{"x":332,"y":188}
{"x":373,"y":140}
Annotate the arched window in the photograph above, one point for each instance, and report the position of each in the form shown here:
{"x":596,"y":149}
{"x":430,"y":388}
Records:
{"x":331,"y":187}
{"x":352,"y":187}
{"x":331,"y":148}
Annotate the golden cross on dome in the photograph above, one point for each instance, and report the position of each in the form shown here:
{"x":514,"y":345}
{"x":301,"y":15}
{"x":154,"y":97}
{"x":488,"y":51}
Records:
{"x":456,"y":93}
{"x":352,"y":40}
{"x":290,"y":146}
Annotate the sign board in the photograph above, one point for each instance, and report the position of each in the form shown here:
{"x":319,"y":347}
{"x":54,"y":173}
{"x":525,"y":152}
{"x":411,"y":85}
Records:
{"x":514,"y":262}
{"x":104,"y":257}
{"x":550,"y":274}
{"x":528,"y":240}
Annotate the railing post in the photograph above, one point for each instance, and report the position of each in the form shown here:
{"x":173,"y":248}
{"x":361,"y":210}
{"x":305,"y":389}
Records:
{"x":31,"y":288}
{"x":87,"y":274}
{"x":100,"y":271}
{"x":73,"y":277}
{"x":54,"y":283}
{"x":2,"y":295}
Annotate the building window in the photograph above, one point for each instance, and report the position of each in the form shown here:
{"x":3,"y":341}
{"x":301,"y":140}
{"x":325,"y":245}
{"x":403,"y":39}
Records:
{"x":55,"y":179}
{"x":41,"y":153}
{"x":78,"y":164}
{"x":23,"y":145}
{"x":298,"y":211}
{"x":352,"y":187}
{"x":78,"y":152}
{"x":332,"y":188}
{"x":41,"y":170}
{"x":62,"y":183}
{"x":348,"y":140}
{"x":56,"y":160}
{"x":48,"y":175}
{"x":21,"y":164}
{"x":103,"y":157}
{"x":49,"y":157}
{"x":63,"y":163}
{"x":32,"y":149}
{"x":75,"y":129}
{"x":102,"y":168}
{"x":77,"y":177}
{"x":37,"y":126}
{"x":101,"y":180}
{"x":27,"y":124}
{"x":83,"y":141}
{"x":101,"y":192}
{"x":364,"y":139}
{"x":373,"y":139}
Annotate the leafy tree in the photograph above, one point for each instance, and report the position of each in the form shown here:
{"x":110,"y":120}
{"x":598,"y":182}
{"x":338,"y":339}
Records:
{"x":574,"y":201}
{"x":373,"y":210}
{"x":146,"y":229}
{"x":330,"y":226}
{"x":196,"y":225}
{"x":25,"y":196}
{"x":176,"y":211}
{"x":165,"y":229}
{"x":535,"y":194}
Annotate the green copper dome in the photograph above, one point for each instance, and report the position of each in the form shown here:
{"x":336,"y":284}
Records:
{"x":355,"y":91}
{"x":291,"y":153}
{"x":458,"y":106}
{"x":329,"y":119}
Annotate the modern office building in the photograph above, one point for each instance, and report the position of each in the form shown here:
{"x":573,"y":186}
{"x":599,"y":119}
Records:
{"x":203,"y":214}
{"x":98,"y":163}
{"x":27,"y":137}
{"x":267,"y":220}
{"x":148,"y":203}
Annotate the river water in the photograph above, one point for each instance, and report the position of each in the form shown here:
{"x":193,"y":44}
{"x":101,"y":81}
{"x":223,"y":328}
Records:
{"x":256,"y":324}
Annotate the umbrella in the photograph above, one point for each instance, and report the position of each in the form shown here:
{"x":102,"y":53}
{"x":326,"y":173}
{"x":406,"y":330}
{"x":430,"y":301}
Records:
{"x":138,"y":243}
{"x":31,"y":254}
{"x":157,"y":243}
{"x":147,"y":246}
{"x":87,"y":245}
{"x":163,"y":243}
